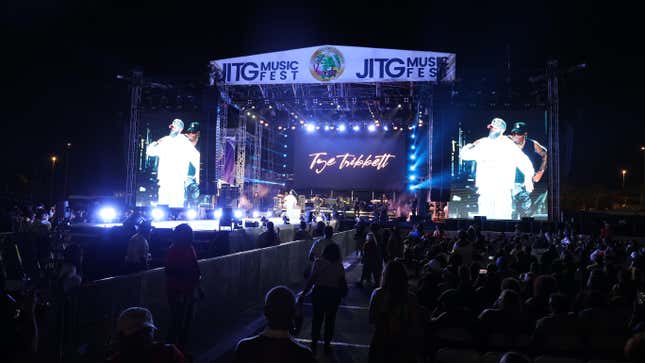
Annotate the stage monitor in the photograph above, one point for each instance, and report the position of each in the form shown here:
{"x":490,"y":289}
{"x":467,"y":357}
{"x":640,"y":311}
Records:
{"x":349,"y":160}
{"x":498,"y":164}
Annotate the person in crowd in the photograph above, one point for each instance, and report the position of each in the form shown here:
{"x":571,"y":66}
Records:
{"x":329,"y":288}
{"x":635,"y":348}
{"x":394,"y":312}
{"x":359,"y":236}
{"x":182,"y":284}
{"x":559,"y":323}
{"x":275,"y":344}
{"x":538,"y":305}
{"x":505,"y":317}
{"x":40,"y":230}
{"x":270,"y":237}
{"x":136,"y":340}
{"x":451,"y":314}
{"x":319,"y":231}
{"x":302,"y":234}
{"x":138,"y":253}
{"x":320,"y":244}
{"x":395,"y":244}
{"x":371,"y":260}
{"x":19,"y":335}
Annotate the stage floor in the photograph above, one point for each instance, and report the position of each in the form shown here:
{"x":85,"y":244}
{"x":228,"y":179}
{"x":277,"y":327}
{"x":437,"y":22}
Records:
{"x":196,"y":225}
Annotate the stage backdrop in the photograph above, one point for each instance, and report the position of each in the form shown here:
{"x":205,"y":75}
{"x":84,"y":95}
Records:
{"x":328,"y":160}
{"x":335,"y":64}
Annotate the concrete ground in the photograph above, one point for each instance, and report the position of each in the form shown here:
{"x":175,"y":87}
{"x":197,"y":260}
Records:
{"x":349,"y":345}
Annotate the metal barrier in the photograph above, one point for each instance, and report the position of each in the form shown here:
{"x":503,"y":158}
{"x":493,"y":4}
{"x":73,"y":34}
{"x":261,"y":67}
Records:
{"x":231,"y":283}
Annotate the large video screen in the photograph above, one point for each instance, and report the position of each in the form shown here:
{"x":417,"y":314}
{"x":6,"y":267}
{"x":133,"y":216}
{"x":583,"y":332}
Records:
{"x":499,"y":165}
{"x":169,"y":160}
{"x":351,"y":160}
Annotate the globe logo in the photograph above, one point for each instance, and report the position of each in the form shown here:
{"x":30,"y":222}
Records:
{"x":327,"y":64}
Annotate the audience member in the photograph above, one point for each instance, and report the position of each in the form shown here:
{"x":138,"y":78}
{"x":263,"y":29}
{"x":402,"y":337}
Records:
{"x":274,"y":344}
{"x":371,"y":260}
{"x":396,"y":316}
{"x":136,"y":343}
{"x":182,"y":282}
{"x":320,"y":244}
{"x":302,"y":234}
{"x":270,"y":237}
{"x":329,"y":287}
{"x":138,"y":254}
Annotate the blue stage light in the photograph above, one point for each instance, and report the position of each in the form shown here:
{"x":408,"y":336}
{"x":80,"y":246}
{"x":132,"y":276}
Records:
{"x":412,"y":187}
{"x":238,"y":214}
{"x":342,"y":128}
{"x":413,"y":168}
{"x":191,"y":214}
{"x":385,"y":128}
{"x":218,"y":213}
{"x":158,"y":214}
{"x":371,"y":128}
{"x":107,"y":214}
{"x":356,"y":128}
{"x":413,"y":136}
{"x":256,"y":214}
{"x":326,"y":127}
{"x":413,"y":157}
{"x":413,"y":147}
{"x":412,"y":177}
{"x":310,"y":127}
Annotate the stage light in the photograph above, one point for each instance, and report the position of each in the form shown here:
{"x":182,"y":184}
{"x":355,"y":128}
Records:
{"x":413,"y":147}
{"x":356,"y":128}
{"x":326,"y":127}
{"x":293,"y":128}
{"x":317,"y":127}
{"x":285,"y":146}
{"x":217,"y":213}
{"x":413,"y":136}
{"x":238,"y":214}
{"x":248,"y":114}
{"x":413,"y":168}
{"x":412,"y":187}
{"x":385,"y":128}
{"x":413,"y":157}
{"x":412,"y":177}
{"x":107,"y":214}
{"x":319,"y":219}
{"x":158,"y":214}
{"x":310,"y":127}
{"x":302,"y":122}
{"x":371,"y":128}
{"x":342,"y":127}
{"x":284,"y":155}
{"x":395,"y":128}
{"x":191,"y":214}
{"x":399,"y":106}
{"x":256,"y":214}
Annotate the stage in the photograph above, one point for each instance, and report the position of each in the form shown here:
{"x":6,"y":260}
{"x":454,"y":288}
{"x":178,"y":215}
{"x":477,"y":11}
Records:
{"x":203,"y":225}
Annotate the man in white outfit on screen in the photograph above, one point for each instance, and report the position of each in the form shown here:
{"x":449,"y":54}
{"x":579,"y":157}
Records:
{"x":175,"y":154}
{"x":497,"y":160}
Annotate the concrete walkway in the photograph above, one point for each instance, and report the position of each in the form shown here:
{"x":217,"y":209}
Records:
{"x":352,"y":334}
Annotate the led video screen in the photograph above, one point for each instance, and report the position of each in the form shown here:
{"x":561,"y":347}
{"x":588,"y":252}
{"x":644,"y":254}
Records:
{"x":351,"y":160}
{"x":499,"y":165}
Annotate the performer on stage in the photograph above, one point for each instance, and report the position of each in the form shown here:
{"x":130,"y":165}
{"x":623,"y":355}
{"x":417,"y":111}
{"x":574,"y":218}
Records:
{"x":176,"y":153}
{"x":525,"y":206}
{"x":291,"y":205}
{"x":497,"y":158}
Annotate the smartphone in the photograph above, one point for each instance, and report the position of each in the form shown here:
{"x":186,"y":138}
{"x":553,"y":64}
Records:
{"x":483,"y":271}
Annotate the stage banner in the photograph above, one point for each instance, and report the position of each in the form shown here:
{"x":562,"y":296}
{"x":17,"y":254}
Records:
{"x":335,"y":64}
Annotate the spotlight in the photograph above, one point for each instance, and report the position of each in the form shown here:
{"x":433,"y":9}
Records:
{"x":395,"y":128}
{"x":385,"y":128}
{"x":256,"y":214}
{"x":238,"y":214}
{"x":413,"y":168}
{"x":107,"y":214}
{"x":412,"y":187}
{"x":413,"y":147}
{"x":191,"y":214}
{"x":413,"y":157}
{"x":326,"y":127}
{"x":158,"y":214}
{"x":399,"y":106}
{"x":342,"y":127}
{"x":293,"y":127}
{"x":356,"y":128}
{"x":413,"y":136}
{"x":310,"y":127}
{"x":371,"y":128}
{"x":412,"y":177}
{"x":218,"y":213}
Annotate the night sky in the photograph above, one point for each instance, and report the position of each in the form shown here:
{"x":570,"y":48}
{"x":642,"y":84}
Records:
{"x":61,"y":63}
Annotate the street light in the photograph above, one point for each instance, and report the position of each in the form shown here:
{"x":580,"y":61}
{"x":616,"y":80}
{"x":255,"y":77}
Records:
{"x":623,"y":173}
{"x":53,"y":159}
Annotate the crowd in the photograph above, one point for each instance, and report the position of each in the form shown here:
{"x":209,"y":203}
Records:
{"x":547,"y":293}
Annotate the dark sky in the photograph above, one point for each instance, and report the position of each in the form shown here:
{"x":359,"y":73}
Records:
{"x":63,"y":59}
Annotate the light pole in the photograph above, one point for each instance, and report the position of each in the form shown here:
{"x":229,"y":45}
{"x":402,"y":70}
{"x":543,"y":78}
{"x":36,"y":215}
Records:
{"x":623,"y":173}
{"x":53,"y":160}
